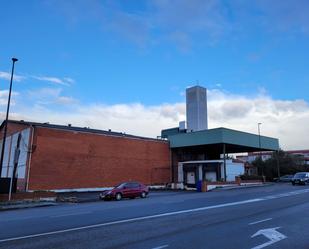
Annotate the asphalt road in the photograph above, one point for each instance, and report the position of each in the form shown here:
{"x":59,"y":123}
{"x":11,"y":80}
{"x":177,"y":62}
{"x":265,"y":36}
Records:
{"x":275,"y":216}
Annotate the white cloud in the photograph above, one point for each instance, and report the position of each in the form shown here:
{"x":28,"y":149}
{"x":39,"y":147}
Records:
{"x":4,"y":94}
{"x":286,"y":120}
{"x":64,"y":100}
{"x":7,"y":76}
{"x":69,"y":80}
{"x":64,"y":81}
{"x":48,"y":96}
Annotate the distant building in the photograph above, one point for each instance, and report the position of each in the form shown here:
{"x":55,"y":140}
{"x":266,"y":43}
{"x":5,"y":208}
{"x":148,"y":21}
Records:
{"x":196,"y":104}
{"x":265,"y":155}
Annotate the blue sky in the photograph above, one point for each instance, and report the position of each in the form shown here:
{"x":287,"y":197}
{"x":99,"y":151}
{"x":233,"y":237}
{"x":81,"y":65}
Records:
{"x":90,"y":58}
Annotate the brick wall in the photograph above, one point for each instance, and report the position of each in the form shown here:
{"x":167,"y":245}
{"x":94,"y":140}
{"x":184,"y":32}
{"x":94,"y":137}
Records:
{"x":13,"y":128}
{"x":67,"y":159}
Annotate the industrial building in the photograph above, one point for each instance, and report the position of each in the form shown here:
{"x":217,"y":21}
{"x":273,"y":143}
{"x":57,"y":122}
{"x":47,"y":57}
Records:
{"x":199,"y":153}
{"x":66,"y":158}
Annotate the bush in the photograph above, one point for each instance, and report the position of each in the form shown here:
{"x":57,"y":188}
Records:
{"x":251,"y":177}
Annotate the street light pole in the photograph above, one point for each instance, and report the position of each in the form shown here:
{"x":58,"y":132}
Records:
{"x":260,"y":158}
{"x":7,"y":116}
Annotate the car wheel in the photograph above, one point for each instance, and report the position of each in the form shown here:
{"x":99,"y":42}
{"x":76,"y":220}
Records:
{"x":293,"y":183}
{"x":143,"y":194}
{"x":118,"y":196}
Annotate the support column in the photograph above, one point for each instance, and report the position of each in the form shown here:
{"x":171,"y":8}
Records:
{"x":180,"y":173}
{"x":200,"y":172}
{"x":224,"y":162}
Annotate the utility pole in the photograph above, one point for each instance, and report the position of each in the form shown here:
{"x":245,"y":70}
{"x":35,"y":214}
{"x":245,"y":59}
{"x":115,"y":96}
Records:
{"x":260,"y":157}
{"x":7,"y":116}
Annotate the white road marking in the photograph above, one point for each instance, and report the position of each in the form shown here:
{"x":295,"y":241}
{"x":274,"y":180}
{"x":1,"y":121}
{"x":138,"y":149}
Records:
{"x":152,"y":216}
{"x":69,"y":214}
{"x":272,"y":234}
{"x":260,"y":221}
{"x":131,"y":220}
{"x":160,"y":247}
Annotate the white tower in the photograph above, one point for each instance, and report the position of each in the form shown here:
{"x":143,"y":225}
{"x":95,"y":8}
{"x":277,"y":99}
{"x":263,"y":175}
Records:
{"x":196,"y":103}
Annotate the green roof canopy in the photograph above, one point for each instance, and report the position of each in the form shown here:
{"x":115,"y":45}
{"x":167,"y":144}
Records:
{"x":238,"y":141}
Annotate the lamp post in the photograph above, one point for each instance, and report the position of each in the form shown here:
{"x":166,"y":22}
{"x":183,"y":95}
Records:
{"x":259,"y":130}
{"x":7,"y":116}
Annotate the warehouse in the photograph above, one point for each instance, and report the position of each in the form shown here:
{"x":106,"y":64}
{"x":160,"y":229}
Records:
{"x":66,"y":158}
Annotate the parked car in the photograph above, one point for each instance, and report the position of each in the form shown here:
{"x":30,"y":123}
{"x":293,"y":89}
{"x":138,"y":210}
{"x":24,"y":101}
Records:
{"x":301,"y":178}
{"x":125,"y":190}
{"x":285,"y":178}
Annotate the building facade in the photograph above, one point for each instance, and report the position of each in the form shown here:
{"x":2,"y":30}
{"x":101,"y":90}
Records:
{"x":66,"y":158}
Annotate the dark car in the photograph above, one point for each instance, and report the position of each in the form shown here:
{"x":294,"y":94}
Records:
{"x":301,"y":178}
{"x":125,"y":190}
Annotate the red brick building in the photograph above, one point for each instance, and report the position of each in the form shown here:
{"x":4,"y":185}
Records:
{"x":55,"y":157}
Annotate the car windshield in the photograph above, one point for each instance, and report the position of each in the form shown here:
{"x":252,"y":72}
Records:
{"x":300,"y":175}
{"x":121,"y":185}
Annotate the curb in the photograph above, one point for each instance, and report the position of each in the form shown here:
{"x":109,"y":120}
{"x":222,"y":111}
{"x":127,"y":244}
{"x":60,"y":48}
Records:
{"x":23,"y":206}
{"x":242,"y":187}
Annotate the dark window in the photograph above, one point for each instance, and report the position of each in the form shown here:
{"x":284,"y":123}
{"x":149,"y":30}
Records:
{"x":132,"y":185}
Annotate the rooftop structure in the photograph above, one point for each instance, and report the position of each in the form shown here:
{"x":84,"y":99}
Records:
{"x":196,"y":108}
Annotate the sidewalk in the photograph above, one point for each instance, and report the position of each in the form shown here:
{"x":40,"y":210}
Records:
{"x":4,"y":206}
{"x":80,"y":197}
{"x":243,"y":186}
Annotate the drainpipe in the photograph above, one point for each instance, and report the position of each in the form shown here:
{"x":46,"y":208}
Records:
{"x":30,"y":148}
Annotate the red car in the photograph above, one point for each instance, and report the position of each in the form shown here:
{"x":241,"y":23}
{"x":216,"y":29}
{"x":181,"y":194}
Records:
{"x":125,"y":190}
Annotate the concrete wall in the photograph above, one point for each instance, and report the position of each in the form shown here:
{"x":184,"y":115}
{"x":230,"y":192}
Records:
{"x":234,"y":169}
{"x":64,"y":159}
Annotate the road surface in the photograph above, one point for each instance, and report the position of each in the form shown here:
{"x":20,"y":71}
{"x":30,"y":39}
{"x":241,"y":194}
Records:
{"x":275,"y":216}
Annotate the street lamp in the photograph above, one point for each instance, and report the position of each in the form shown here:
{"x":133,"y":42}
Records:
{"x":7,"y":116}
{"x":260,"y":159}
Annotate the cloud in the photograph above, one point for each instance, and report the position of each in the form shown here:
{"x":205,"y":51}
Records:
{"x":4,"y":94}
{"x":7,"y":76}
{"x":48,"y":96}
{"x":187,"y":23}
{"x":64,"y":100}
{"x":153,"y":22}
{"x":69,"y":80}
{"x":65,"y":81}
{"x":60,"y":81}
{"x":284,"y":119}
